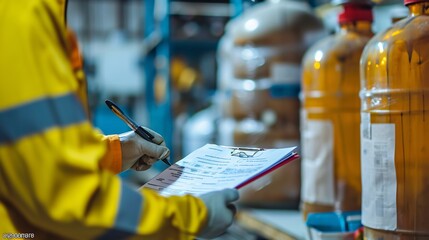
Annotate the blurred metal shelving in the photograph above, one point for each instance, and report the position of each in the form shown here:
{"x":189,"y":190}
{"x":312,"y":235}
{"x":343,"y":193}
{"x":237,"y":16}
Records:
{"x":157,"y":67}
{"x":162,"y":42}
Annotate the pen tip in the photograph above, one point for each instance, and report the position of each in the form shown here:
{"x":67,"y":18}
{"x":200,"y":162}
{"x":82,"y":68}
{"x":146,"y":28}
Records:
{"x":108,"y":103}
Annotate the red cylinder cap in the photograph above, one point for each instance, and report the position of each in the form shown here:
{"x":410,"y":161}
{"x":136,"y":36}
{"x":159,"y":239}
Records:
{"x":408,"y":2}
{"x":355,"y":12}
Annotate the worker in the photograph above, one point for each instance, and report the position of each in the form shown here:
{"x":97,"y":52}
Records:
{"x":57,"y":173}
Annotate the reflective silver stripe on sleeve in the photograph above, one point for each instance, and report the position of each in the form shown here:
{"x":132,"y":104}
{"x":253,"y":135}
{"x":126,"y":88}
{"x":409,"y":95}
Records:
{"x":38,"y":116}
{"x":128,"y":214}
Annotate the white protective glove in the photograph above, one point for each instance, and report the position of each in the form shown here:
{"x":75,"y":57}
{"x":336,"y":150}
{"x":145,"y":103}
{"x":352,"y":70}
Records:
{"x":139,"y":154}
{"x":221,"y":212}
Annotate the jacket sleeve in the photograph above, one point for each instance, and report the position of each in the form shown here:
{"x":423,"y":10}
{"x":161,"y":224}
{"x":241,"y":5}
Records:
{"x":112,"y":159}
{"x":50,"y":154}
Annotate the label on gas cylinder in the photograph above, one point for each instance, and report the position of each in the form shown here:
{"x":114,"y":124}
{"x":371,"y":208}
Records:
{"x":317,"y":138}
{"x":378,"y":175}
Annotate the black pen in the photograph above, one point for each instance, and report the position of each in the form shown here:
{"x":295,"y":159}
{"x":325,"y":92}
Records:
{"x":136,"y":128}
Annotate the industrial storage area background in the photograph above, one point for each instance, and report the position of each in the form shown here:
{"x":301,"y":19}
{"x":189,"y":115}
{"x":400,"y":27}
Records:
{"x":266,"y":74}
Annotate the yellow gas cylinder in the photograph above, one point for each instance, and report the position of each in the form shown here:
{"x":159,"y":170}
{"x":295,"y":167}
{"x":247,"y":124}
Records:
{"x":395,"y":126}
{"x":330,"y":115}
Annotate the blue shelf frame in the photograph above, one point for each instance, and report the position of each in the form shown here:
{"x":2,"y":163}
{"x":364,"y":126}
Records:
{"x":160,"y":113}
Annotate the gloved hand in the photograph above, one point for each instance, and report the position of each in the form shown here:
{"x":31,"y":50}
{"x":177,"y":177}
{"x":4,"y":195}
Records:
{"x":221,"y":211}
{"x":139,"y":154}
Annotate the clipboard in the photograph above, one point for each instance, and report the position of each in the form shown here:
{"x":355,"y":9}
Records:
{"x":242,"y":151}
{"x":215,"y":167}
{"x":290,"y":159}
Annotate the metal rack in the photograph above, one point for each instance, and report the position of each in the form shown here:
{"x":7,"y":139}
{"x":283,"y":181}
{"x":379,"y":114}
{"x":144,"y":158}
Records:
{"x":156,"y":66}
{"x":158,"y":50}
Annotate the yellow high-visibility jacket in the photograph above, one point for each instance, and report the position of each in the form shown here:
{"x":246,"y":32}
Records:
{"x":57,"y":174}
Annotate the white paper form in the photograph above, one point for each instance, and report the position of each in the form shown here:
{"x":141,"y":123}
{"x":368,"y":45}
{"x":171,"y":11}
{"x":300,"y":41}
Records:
{"x":213,"y":167}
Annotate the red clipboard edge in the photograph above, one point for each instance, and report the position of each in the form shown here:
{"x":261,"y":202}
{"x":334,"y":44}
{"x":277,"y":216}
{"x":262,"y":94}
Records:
{"x":290,"y":159}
